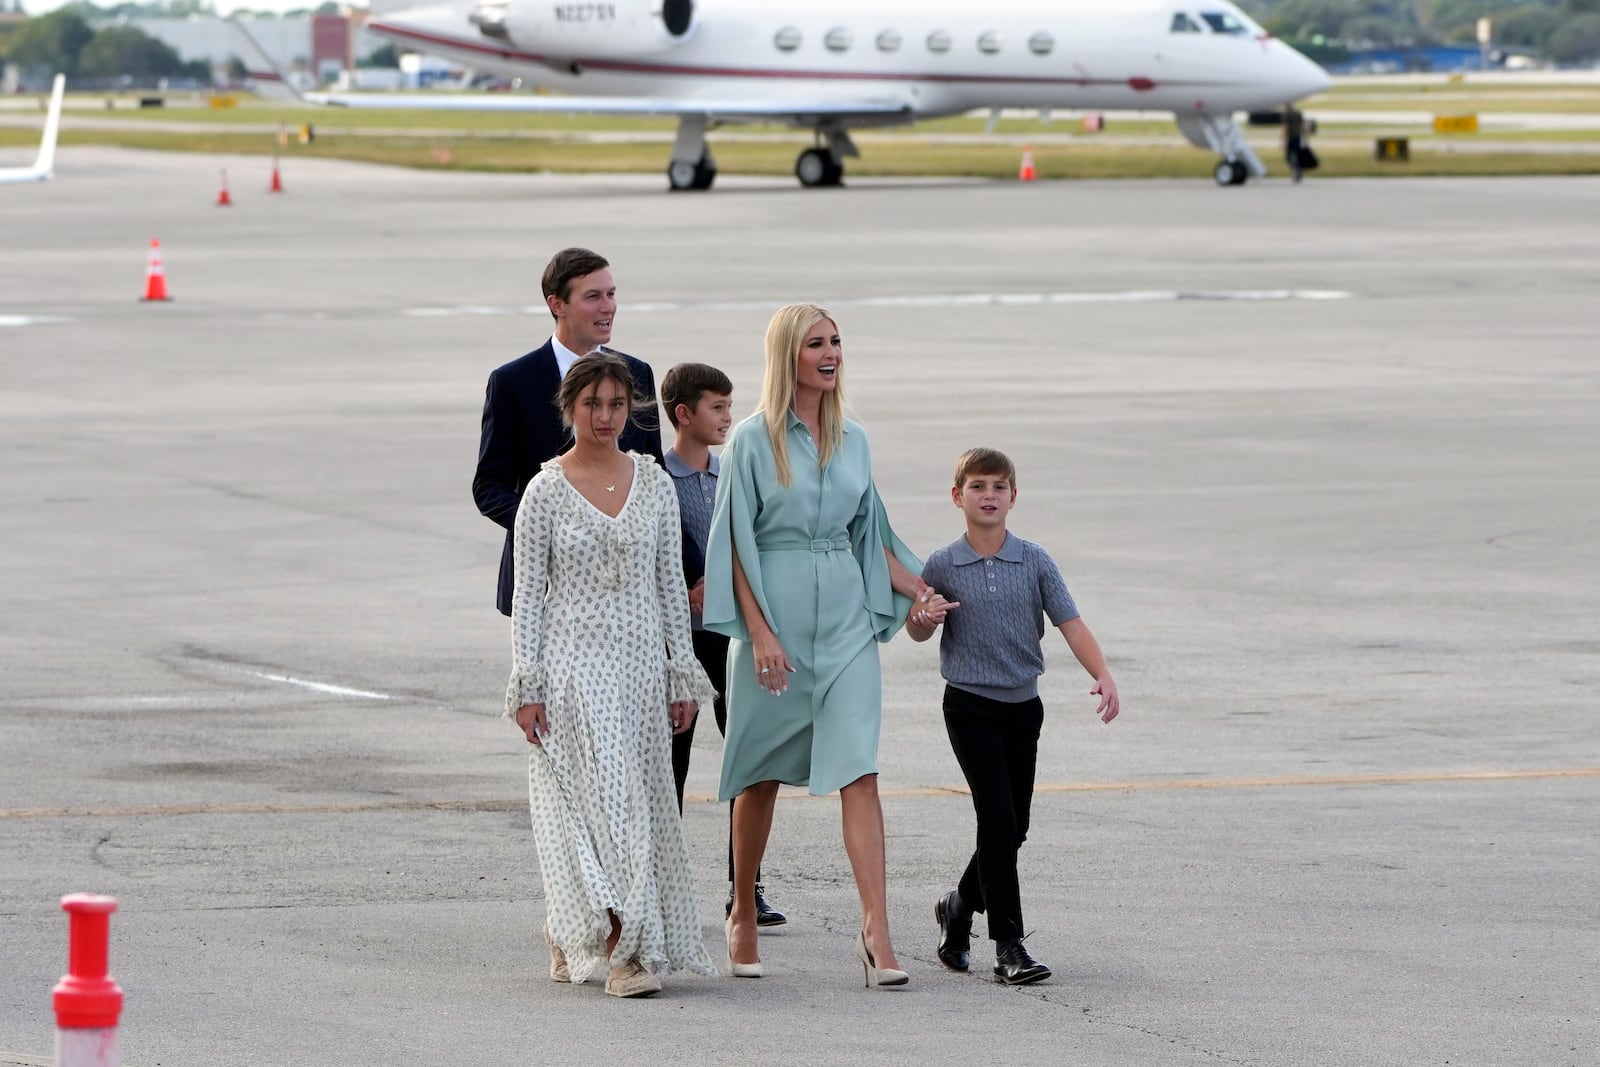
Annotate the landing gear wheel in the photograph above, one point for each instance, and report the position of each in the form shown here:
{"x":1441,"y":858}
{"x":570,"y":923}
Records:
{"x":682,"y":175}
{"x":816,"y":168}
{"x":1231,"y":172}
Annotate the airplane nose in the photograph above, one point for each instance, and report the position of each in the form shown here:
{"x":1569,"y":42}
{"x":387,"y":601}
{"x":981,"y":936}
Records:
{"x":1302,"y":75}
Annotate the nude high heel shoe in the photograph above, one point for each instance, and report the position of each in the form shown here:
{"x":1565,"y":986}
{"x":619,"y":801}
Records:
{"x":872,"y":974}
{"x":738,"y":970}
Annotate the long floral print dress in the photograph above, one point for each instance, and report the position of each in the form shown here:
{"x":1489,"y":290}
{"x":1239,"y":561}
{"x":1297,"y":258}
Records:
{"x":600,"y":636}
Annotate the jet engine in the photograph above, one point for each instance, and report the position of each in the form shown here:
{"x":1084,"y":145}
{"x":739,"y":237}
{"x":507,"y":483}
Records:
{"x":570,"y":29}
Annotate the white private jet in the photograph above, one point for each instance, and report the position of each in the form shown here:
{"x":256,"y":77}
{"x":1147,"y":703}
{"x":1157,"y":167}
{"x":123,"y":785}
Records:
{"x":833,"y":66}
{"x":44,"y":166}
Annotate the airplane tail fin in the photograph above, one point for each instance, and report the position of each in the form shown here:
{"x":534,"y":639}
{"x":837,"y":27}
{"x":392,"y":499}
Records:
{"x":270,"y":82}
{"x":45,"y":165}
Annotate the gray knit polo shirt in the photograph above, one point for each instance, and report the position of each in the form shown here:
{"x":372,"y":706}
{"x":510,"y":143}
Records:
{"x":991,"y":643}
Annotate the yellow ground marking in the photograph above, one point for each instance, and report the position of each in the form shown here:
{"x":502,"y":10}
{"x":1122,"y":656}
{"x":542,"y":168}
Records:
{"x":519,"y":804}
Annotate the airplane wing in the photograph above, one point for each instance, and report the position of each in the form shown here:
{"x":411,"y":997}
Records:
{"x":716,"y":110}
{"x":44,"y":166}
{"x":272,"y":84}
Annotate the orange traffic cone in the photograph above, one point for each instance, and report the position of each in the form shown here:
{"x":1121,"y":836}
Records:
{"x":155,"y":277}
{"x":223,"y":199}
{"x":1027,"y":173}
{"x":277,"y":182}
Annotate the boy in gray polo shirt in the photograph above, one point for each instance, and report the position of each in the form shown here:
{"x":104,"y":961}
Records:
{"x":1002,"y":588}
{"x":699,"y":403}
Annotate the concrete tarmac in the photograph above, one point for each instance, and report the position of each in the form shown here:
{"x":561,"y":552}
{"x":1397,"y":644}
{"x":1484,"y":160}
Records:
{"x":1320,"y":463}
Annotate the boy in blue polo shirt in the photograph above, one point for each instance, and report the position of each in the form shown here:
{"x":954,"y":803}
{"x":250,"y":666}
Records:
{"x":1001,"y":588}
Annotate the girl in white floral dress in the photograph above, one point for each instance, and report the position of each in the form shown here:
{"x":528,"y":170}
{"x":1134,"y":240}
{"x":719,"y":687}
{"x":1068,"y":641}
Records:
{"x":603,"y":673}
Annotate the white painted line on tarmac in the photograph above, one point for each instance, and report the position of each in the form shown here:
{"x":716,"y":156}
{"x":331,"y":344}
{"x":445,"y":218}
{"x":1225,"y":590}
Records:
{"x":320,"y":687}
{"x":935,"y":300}
{"x":29,"y":320}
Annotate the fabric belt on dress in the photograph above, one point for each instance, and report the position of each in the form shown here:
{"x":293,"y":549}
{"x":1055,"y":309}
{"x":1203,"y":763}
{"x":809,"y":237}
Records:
{"x":796,"y":544}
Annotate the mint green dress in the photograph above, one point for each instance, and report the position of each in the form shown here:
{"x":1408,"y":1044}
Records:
{"x":813,"y":554}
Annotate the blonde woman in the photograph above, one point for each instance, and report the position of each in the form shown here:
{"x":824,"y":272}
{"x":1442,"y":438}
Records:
{"x":805,"y":575}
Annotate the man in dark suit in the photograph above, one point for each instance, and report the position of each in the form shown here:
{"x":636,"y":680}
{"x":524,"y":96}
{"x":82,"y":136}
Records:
{"x":521,"y":421}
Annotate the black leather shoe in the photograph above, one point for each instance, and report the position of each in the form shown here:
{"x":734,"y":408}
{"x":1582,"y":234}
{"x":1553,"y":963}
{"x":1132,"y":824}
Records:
{"x":1013,"y":965}
{"x":955,"y":931}
{"x":766,"y":914}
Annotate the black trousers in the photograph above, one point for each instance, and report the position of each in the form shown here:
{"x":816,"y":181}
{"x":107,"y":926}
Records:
{"x":997,"y":745}
{"x":711,"y":649}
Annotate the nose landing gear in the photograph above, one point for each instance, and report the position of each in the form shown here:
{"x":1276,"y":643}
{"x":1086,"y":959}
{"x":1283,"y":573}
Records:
{"x":1231,"y":172}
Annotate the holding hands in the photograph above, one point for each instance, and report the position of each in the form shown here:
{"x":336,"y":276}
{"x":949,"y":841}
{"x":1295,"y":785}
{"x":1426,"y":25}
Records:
{"x":931,"y":607}
{"x":928,"y":610}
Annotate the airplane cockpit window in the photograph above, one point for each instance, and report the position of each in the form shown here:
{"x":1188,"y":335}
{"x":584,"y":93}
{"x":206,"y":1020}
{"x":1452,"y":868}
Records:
{"x":1182,"y":23}
{"x":1041,"y":43}
{"x":1222,"y":22}
{"x":889,"y":41}
{"x":787,"y":39}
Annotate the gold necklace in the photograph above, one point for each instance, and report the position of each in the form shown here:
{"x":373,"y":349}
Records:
{"x":615,"y":466}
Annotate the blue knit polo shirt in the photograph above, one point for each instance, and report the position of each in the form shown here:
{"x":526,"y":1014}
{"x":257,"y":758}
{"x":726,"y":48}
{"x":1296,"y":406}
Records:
{"x":991,"y":643}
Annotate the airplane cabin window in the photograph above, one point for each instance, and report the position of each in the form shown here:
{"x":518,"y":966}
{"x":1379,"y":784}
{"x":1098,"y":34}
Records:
{"x":1041,"y":44}
{"x":1222,"y":22}
{"x":938,"y":41}
{"x":787,"y":39}
{"x":1182,"y":23}
{"x":838,"y":40}
{"x":989,"y":43}
{"x":889,"y":41}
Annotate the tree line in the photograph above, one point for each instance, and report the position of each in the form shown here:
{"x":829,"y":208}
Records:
{"x":1566,"y":32}
{"x":66,"y":41}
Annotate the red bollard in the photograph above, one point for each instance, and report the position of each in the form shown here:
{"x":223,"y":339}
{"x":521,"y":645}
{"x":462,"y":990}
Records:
{"x":88,"y":1001}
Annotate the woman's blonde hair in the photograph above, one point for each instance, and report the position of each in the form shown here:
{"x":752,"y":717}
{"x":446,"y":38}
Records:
{"x":785,"y":334}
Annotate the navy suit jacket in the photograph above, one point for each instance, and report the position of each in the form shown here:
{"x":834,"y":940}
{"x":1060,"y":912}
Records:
{"x":522,"y":430}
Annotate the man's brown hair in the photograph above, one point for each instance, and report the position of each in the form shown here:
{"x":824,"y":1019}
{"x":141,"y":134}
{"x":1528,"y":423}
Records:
{"x":990,"y":461}
{"x":566,"y":266}
{"x":687,"y":383}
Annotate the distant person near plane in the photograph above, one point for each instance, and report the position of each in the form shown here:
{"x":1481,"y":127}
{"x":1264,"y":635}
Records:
{"x":1296,"y":149}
